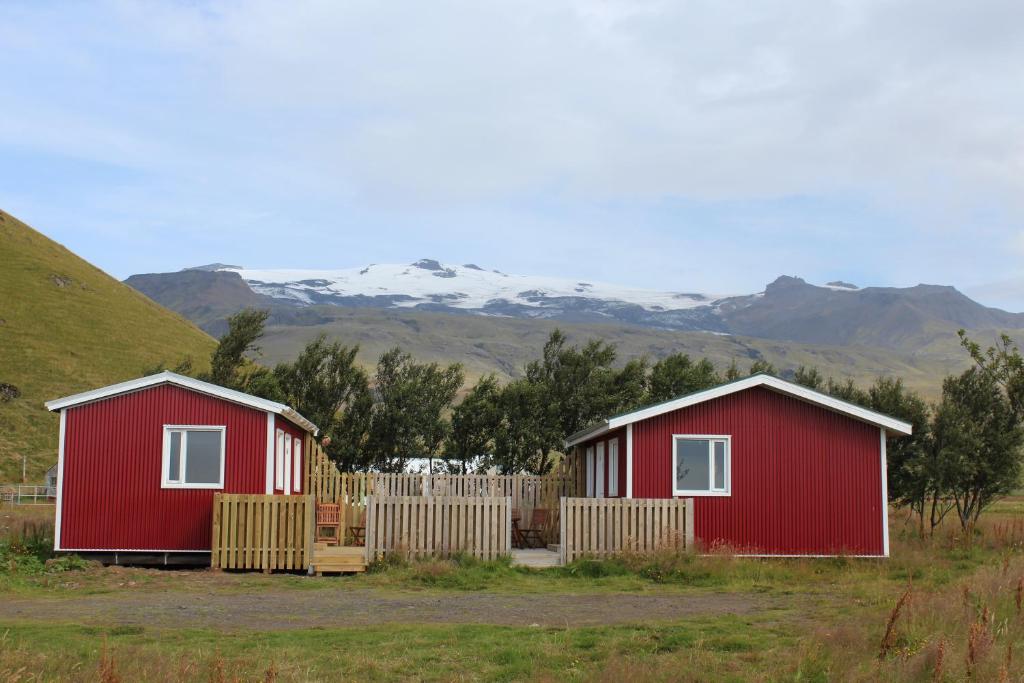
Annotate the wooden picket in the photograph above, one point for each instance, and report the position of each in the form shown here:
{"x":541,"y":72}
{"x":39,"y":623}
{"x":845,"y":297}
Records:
{"x":350,"y":489}
{"x":602,"y":527}
{"x":255,"y":531}
{"x":420,"y":526}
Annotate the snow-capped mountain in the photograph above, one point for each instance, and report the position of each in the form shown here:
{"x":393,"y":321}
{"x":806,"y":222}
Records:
{"x":431,"y":285}
{"x":791,"y":309}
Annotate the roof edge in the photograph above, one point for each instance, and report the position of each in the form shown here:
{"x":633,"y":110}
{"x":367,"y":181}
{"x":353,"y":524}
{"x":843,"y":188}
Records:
{"x":168,"y":377}
{"x":782,"y":386}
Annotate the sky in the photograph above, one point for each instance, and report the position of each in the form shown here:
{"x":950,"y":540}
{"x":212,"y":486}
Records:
{"x":693,"y":146}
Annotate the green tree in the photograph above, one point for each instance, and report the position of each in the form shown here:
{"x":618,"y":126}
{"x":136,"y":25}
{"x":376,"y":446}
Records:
{"x":1004,"y":364}
{"x":677,"y":375}
{"x":580,"y":385}
{"x":522,"y":439}
{"x":761,"y":365}
{"x":809,"y":377}
{"x":916,"y":477}
{"x":326,"y":386}
{"x":227,"y":364}
{"x":732,"y":373}
{"x":474,"y":423}
{"x":847,"y":391}
{"x":979,"y":438}
{"x":408,"y":418}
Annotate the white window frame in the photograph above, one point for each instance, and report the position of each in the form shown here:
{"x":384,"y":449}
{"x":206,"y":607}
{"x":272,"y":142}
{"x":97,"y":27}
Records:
{"x":711,"y":439}
{"x":613,"y":468}
{"x":287,"y":463}
{"x":590,"y":471}
{"x":165,"y":463}
{"x":599,"y":468}
{"x":279,"y":460}
{"x":296,"y":465}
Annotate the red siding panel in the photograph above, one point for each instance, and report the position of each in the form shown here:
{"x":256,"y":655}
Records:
{"x":805,"y":480}
{"x":112,"y":498}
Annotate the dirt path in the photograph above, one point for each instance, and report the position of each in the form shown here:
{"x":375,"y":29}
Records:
{"x":274,"y":610}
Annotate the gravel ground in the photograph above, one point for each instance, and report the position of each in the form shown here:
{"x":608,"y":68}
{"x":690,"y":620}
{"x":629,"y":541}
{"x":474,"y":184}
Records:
{"x":340,"y":607}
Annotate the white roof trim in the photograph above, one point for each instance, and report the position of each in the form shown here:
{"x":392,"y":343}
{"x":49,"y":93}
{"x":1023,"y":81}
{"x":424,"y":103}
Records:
{"x":760,"y":380}
{"x":167,"y":377}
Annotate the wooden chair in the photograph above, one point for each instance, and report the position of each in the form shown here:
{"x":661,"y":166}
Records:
{"x":328,"y":517}
{"x":518,"y":540}
{"x":538,"y":528}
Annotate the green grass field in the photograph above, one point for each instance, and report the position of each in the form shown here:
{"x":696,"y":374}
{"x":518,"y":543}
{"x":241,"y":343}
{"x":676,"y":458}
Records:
{"x":67,"y":326}
{"x":803,"y":619}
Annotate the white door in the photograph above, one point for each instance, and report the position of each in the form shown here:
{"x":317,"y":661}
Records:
{"x":600,"y":469}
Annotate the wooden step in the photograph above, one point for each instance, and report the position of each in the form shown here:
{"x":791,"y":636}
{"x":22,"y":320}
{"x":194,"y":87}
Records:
{"x":333,"y":558}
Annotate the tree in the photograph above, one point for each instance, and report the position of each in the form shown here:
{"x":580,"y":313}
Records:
{"x":809,"y":377}
{"x":579,"y":386}
{"x":327,"y":387}
{"x":474,"y":422}
{"x":408,"y":416}
{"x":979,"y":438}
{"x":1004,"y":364}
{"x":228,"y":359}
{"x":522,"y":439}
{"x":677,"y":375}
{"x":916,"y":477}
{"x":732,"y":373}
{"x":761,"y":365}
{"x":847,"y":391}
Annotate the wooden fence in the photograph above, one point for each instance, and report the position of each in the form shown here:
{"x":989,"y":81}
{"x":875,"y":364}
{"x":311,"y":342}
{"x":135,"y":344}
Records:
{"x":418,"y":526}
{"x":253,"y":531}
{"x":350,"y":489}
{"x":601,"y":527}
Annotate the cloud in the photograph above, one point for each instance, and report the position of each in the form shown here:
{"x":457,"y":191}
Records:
{"x":567,"y":118}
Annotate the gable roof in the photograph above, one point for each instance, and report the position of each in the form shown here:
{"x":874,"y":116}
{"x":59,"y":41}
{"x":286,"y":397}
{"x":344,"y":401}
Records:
{"x":759,"y":380}
{"x":167,"y":377}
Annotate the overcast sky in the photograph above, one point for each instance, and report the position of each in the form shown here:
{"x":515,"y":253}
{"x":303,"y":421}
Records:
{"x":680,"y":145}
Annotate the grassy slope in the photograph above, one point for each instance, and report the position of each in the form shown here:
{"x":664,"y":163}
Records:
{"x":504,"y":345}
{"x":58,"y":339}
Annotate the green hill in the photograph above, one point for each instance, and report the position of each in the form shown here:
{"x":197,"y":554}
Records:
{"x":66,"y":326}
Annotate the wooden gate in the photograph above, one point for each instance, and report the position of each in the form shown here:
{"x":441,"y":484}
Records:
{"x":419,"y":526}
{"x":256,"y":531}
{"x":601,"y":527}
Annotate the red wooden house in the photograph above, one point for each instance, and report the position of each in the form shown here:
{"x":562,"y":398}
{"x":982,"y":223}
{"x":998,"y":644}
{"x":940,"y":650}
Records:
{"x":774,"y":468}
{"x":139,"y":462}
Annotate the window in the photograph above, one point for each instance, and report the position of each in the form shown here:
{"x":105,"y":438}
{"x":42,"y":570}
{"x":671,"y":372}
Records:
{"x":193,"y":457}
{"x":701,"y":465}
{"x":297,"y":466}
{"x":613,"y":467}
{"x":279,"y":461}
{"x":600,"y":469}
{"x":590,"y":471}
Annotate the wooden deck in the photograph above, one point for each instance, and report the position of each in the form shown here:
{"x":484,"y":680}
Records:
{"x":337,"y":559}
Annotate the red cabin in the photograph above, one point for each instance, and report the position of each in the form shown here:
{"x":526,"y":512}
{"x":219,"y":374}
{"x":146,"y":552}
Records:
{"x":139,"y":462}
{"x":773,"y":468}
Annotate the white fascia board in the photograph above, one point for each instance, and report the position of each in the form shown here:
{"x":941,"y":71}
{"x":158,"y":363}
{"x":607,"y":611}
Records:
{"x":167,"y":377}
{"x":768,"y":381}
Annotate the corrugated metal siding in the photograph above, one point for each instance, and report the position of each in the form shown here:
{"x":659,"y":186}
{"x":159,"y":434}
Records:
{"x":805,"y":480}
{"x":112,"y":497}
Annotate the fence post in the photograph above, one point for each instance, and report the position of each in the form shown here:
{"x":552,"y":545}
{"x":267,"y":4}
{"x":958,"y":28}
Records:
{"x":688,"y":535}
{"x":370,"y":533}
{"x":561,"y":524}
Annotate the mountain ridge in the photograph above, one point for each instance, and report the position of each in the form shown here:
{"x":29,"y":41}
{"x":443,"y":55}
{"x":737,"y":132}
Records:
{"x":789,"y":308}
